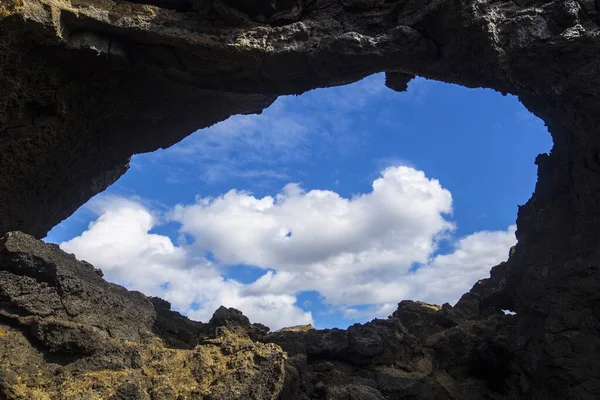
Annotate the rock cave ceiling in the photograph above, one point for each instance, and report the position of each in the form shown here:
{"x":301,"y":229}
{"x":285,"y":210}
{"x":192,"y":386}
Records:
{"x":152,"y":74}
{"x":84,"y":84}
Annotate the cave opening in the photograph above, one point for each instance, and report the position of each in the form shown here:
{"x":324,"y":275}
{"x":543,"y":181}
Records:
{"x":328,"y":208}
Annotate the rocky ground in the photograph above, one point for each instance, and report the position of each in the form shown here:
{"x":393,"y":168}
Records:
{"x":85,"y":84}
{"x":66,"y":333}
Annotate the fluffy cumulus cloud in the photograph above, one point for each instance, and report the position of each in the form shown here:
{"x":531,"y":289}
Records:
{"x":362,"y":254}
{"x":448,"y":276}
{"x":120,"y":243}
{"x":391,"y":227}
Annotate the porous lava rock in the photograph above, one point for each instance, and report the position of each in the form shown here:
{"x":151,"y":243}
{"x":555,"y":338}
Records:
{"x":84,"y":84}
{"x":66,"y":333}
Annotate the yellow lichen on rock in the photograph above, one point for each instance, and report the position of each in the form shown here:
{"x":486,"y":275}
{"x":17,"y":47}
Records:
{"x":9,"y":7}
{"x":227,"y":367}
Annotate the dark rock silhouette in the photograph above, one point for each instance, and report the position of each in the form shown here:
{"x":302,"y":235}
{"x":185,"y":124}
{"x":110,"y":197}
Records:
{"x":86,"y":84}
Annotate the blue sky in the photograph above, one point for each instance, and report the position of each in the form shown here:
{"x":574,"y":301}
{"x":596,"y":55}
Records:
{"x":328,"y":208}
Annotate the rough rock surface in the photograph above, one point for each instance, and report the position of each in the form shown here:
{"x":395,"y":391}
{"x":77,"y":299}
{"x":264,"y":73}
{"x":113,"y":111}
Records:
{"x":84,"y":84}
{"x":66,"y":333}
{"x":420,"y":352}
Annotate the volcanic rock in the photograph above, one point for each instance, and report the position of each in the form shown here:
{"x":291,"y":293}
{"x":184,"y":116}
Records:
{"x":65,"y":333}
{"x":85,"y":84}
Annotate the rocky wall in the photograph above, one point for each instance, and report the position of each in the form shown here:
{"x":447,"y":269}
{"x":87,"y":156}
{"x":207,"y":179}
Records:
{"x":86,"y":84}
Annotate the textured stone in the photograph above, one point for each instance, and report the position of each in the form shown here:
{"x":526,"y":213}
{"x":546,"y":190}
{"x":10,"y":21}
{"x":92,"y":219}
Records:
{"x":86,"y":84}
{"x":420,"y":352}
{"x":152,"y":73}
{"x":102,"y":341}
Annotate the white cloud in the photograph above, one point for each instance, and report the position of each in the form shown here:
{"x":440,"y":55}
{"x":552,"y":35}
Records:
{"x":119,"y":242}
{"x":393,"y":226}
{"x":359,"y":253}
{"x":448,"y":276}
